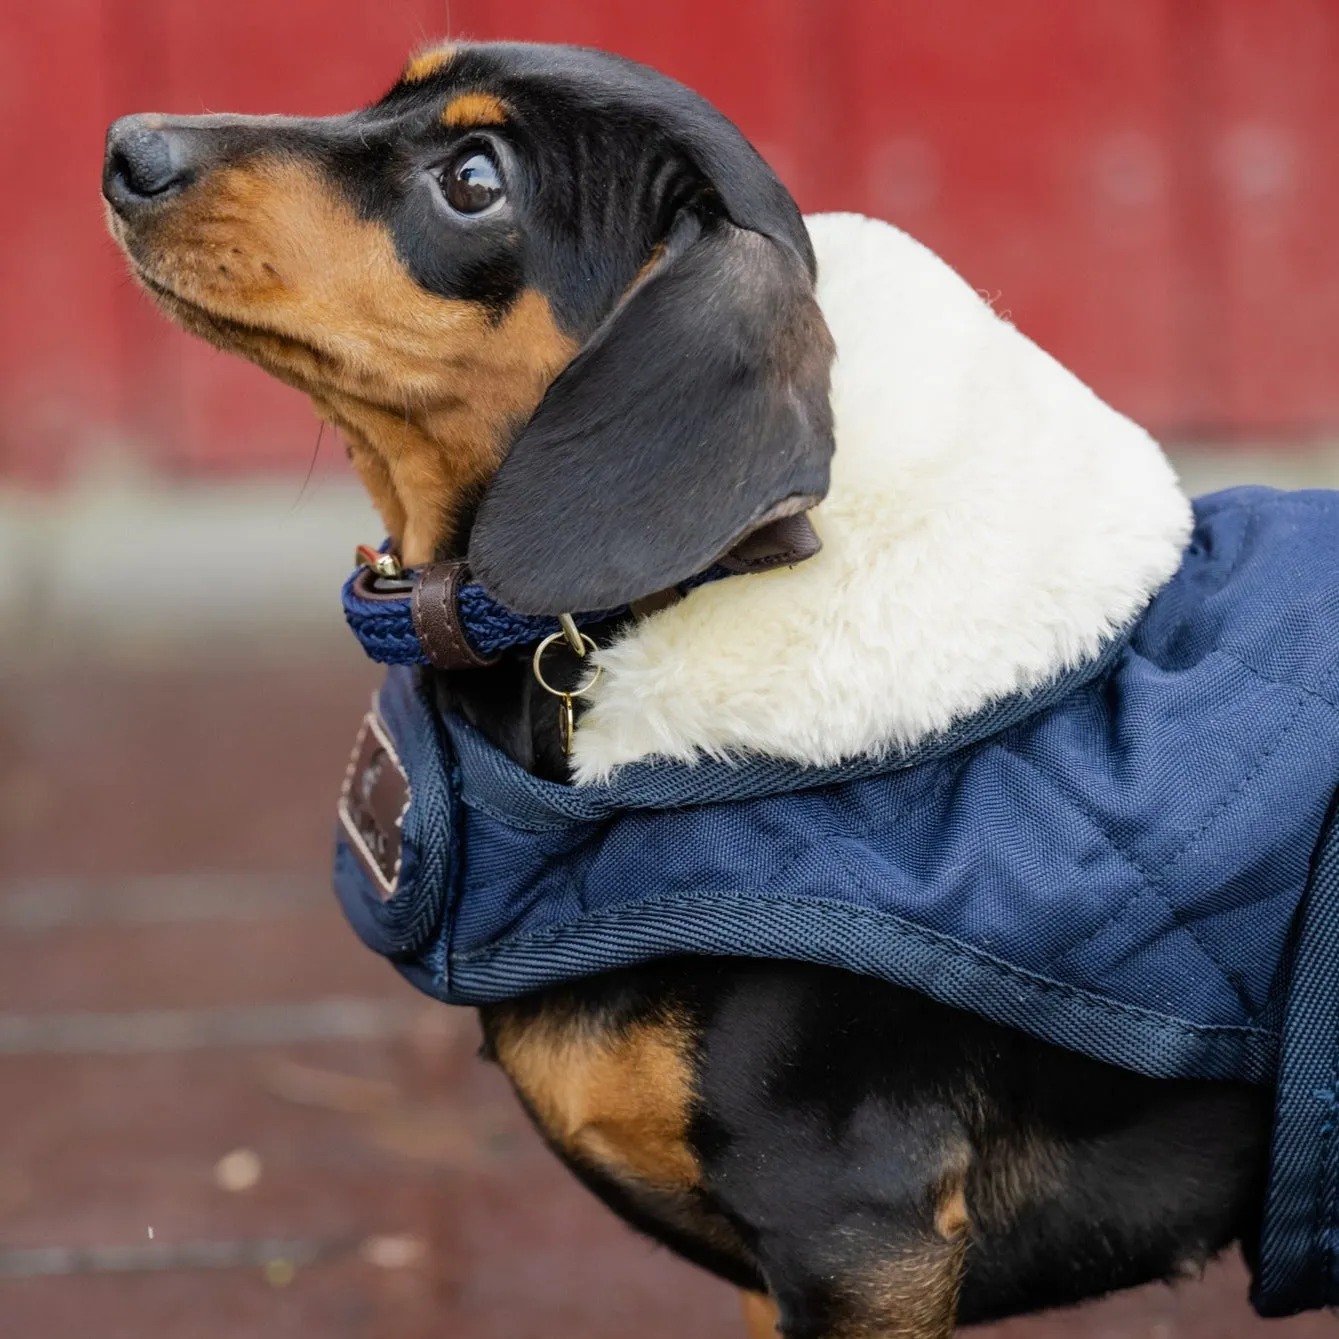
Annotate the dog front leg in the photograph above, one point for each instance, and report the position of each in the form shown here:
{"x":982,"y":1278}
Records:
{"x":909,"y":1293}
{"x":860,"y":1233}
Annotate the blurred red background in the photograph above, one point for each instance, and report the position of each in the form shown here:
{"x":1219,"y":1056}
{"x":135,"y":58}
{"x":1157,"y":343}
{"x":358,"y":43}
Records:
{"x":1148,"y":186}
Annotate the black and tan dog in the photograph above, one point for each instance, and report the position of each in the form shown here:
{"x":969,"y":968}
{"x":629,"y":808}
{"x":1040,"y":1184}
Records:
{"x":441,"y":273}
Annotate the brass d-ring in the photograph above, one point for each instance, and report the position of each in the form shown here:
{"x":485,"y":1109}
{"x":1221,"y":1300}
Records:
{"x":538,"y":657}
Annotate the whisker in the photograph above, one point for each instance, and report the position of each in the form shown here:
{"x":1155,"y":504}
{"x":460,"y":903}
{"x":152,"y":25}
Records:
{"x":320,"y":432}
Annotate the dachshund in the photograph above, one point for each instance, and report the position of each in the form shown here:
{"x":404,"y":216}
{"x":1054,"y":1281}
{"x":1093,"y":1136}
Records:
{"x":435,"y":272}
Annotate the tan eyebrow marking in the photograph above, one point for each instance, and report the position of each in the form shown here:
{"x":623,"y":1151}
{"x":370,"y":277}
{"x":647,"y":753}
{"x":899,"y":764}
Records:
{"x":474,"y":109}
{"x":427,"y":63}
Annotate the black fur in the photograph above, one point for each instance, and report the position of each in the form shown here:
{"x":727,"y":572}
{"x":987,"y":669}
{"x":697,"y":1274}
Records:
{"x":695,"y":411}
{"x":831,"y":1108}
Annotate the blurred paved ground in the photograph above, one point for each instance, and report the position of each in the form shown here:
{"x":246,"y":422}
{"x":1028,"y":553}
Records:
{"x":192,"y":1042}
{"x":175,"y":985}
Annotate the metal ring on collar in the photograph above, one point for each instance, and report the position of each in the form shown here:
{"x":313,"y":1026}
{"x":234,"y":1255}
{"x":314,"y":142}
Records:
{"x":537,"y":659}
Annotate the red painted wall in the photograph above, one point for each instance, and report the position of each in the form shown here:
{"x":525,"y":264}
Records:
{"x":1149,"y":187}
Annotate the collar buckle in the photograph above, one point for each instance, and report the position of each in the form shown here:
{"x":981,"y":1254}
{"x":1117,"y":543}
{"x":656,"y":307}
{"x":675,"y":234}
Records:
{"x":385,"y":564}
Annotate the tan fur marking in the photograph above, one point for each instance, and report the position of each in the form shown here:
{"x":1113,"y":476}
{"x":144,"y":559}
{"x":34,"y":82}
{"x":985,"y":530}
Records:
{"x":761,"y":1317}
{"x":914,"y":1296}
{"x":427,"y":63}
{"x":474,"y":109}
{"x":951,"y":1217}
{"x":267,"y":261}
{"x":647,"y":270}
{"x":616,"y":1101}
{"x":1011,"y":1177}
{"x":914,"y":1293}
{"x":374,"y":473}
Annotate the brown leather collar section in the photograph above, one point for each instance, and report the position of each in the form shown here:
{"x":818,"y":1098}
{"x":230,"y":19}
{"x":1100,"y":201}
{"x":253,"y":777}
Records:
{"x":437,"y":618}
{"x":780,"y":543}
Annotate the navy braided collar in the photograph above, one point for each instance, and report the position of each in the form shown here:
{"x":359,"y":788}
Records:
{"x":382,"y":618}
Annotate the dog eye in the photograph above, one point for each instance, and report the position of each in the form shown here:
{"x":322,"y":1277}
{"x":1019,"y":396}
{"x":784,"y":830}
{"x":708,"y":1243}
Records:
{"x":472,"y":184}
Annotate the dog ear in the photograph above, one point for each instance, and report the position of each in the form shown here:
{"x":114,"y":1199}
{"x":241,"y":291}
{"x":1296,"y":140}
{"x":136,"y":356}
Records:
{"x":696,"y":412}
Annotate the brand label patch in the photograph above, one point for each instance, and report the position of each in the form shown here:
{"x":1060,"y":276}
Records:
{"x":372,"y":804}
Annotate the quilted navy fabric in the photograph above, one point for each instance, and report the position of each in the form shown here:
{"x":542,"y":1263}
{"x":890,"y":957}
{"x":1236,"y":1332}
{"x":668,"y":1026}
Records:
{"x":1114,"y":864}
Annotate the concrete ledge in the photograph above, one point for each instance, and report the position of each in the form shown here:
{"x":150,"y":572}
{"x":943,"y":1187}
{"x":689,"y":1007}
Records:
{"x":1205,"y":469}
{"x":142,"y":566}
{"x":124,"y":565}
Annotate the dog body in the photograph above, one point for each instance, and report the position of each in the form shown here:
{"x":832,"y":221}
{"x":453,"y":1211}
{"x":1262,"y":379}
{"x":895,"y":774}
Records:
{"x":873,"y":1162}
{"x":566,"y":320}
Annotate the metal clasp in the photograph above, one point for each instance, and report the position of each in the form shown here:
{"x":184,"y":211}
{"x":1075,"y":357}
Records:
{"x":385,"y":565}
{"x":574,"y":637}
{"x":583,"y":645}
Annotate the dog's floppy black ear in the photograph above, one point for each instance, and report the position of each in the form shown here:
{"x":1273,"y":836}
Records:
{"x":696,"y":412}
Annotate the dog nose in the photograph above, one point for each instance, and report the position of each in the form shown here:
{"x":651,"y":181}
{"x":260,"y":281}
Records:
{"x":146,"y":160}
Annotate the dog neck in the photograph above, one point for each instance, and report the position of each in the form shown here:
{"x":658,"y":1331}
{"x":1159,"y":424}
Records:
{"x":990,"y":524}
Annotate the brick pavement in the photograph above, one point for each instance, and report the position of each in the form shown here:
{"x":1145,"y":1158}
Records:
{"x":175,"y":985}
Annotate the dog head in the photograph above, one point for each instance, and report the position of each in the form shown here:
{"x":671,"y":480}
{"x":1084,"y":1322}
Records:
{"x":558,"y":306}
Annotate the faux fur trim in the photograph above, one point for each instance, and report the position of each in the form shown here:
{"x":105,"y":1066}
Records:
{"x":990,"y":523}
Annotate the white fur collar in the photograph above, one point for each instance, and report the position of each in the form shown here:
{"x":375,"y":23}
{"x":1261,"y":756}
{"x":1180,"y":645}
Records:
{"x":990,"y":523}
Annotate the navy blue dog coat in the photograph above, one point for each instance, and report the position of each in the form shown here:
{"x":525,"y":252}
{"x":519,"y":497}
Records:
{"x":1131,"y":862}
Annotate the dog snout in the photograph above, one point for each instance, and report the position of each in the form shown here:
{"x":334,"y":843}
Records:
{"x":147,"y":160}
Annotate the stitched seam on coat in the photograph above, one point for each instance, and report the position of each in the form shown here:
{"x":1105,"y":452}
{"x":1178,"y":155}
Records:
{"x":1145,"y":892}
{"x":521,"y":825}
{"x":1261,"y":759}
{"x":795,"y":849}
{"x":1210,"y":819}
{"x":842,"y":910}
{"x":1151,"y":878}
{"x":1278,"y":683}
